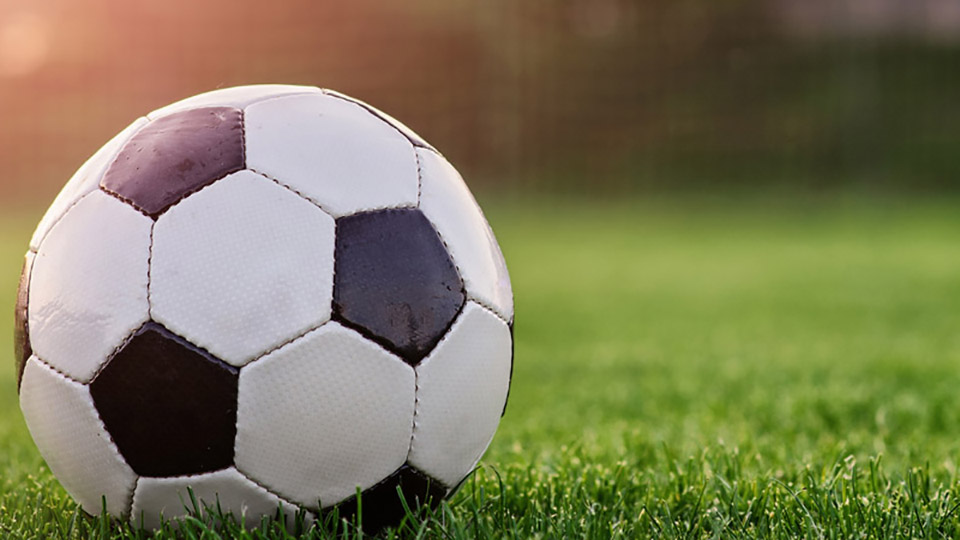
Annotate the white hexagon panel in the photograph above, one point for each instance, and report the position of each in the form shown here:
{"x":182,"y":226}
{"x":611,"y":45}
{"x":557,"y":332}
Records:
{"x":88,"y":288}
{"x":323,"y":416}
{"x":332,"y":151}
{"x":73,"y":441}
{"x":461,"y":389}
{"x":241,"y":267}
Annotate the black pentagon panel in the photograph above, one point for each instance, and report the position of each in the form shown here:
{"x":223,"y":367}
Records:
{"x":21,"y":332}
{"x":176,"y":155}
{"x":170,"y":406}
{"x":394,"y":280}
{"x":381,"y":505}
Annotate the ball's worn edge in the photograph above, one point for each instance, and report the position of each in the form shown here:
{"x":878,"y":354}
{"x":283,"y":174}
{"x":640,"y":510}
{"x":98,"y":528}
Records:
{"x":22,"y":349}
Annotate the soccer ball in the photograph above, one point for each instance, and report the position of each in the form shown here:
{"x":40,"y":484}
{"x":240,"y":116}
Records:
{"x":276,"y":296}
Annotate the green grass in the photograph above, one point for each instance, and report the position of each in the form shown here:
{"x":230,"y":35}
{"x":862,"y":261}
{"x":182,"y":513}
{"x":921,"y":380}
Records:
{"x":684,"y":369}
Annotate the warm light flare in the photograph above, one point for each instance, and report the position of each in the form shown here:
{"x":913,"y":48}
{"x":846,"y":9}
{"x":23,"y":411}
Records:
{"x":24,"y":44}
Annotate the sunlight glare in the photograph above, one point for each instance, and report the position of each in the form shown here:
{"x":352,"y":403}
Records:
{"x":24,"y":44}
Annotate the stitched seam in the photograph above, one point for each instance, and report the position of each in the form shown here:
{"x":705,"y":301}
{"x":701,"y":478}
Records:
{"x":126,"y":202}
{"x":434,"y":150}
{"x":120,"y":148}
{"x":57,"y":370}
{"x":329,"y":212}
{"x":116,"y":349}
{"x":273,"y":97}
{"x":416,"y":156}
{"x":133,"y":494}
{"x":366,"y":108}
{"x":369,"y":336}
{"x":407,"y":466}
{"x":404,"y":206}
{"x":456,"y":320}
{"x":373,"y":111}
{"x":413,"y":145}
{"x":274,"y":349}
{"x":317,"y":203}
{"x":100,"y":179}
{"x":293,"y":190}
{"x":63,"y":215}
{"x":466,"y":293}
{"x":333,"y":265}
{"x":446,"y":247}
{"x":102,"y":425}
{"x":488,"y":307}
{"x":150,"y":271}
{"x":416,"y":410}
{"x":185,"y":194}
{"x":270,"y":491}
{"x":151,"y":117}
{"x":243,"y":138}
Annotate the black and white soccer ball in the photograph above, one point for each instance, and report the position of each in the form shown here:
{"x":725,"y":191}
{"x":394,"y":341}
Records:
{"x":276,"y":296}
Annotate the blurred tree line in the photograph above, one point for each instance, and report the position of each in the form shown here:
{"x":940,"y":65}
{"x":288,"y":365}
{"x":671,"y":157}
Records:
{"x":585,"y":95}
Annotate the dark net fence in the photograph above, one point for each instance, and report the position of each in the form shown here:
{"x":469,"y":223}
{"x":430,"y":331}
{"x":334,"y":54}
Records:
{"x":600,"y":96}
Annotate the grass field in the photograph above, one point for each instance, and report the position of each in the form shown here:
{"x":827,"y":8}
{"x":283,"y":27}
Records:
{"x":684,"y":369}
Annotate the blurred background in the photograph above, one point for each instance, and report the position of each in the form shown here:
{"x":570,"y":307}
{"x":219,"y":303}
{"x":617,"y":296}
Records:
{"x":599,"y":96}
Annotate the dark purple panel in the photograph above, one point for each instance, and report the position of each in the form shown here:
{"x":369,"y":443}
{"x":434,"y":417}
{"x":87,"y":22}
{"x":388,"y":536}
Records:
{"x":381,"y":505}
{"x":21,"y":332}
{"x":176,"y":155}
{"x":170,"y":406}
{"x":394,"y":281}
